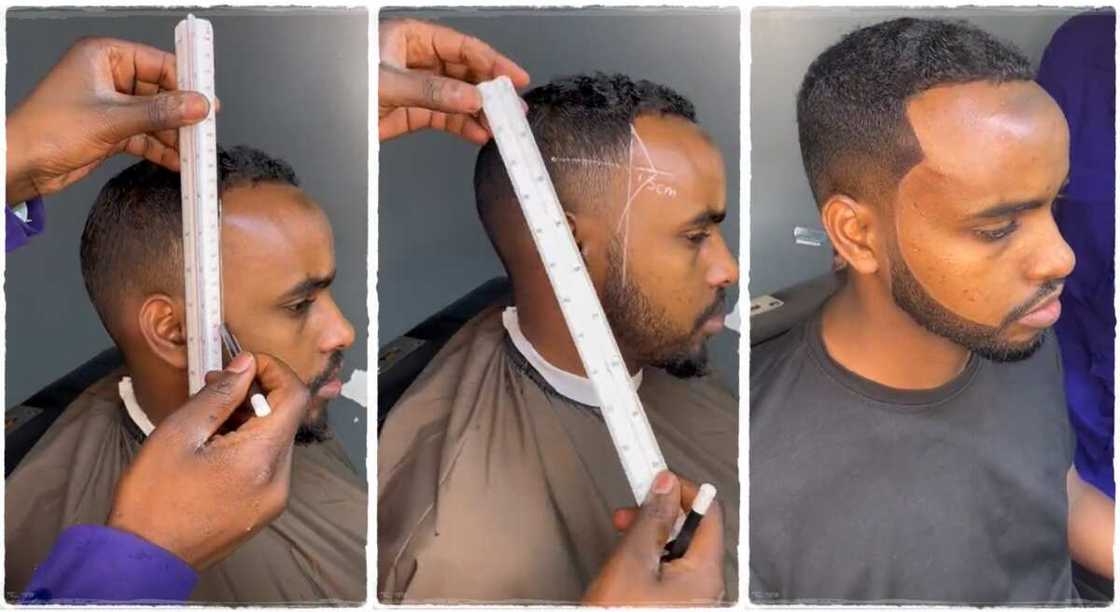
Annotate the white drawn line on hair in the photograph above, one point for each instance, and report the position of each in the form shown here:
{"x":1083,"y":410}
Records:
{"x":632,"y":195}
{"x":625,"y":218}
{"x":599,"y":162}
{"x":634,"y":136}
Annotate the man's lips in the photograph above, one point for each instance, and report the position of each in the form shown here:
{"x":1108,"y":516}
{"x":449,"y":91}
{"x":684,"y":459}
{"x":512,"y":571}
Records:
{"x":714,"y":323}
{"x":331,"y":387}
{"x":1045,"y":314}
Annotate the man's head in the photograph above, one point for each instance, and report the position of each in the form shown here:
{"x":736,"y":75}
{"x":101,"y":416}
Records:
{"x":935,"y":161}
{"x":644,"y":190}
{"x":277,"y":267}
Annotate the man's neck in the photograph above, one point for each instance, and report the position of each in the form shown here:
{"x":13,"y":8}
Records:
{"x":159,"y":392}
{"x":543,"y":325}
{"x":866,"y":332}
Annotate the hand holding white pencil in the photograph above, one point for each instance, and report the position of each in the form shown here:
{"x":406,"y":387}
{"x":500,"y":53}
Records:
{"x":232,"y":348}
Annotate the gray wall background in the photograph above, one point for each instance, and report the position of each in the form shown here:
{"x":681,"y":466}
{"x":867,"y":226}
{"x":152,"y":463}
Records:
{"x":432,"y":248}
{"x":783,"y":43}
{"x":293,"y":83}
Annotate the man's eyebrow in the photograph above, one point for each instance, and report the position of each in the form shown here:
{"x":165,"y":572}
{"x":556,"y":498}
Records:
{"x":1010,"y":208}
{"x":308,"y":285}
{"x":707,"y":217}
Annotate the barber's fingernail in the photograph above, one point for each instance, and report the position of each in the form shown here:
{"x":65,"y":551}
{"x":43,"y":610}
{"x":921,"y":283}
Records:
{"x":663,"y":483}
{"x":240,"y":363}
{"x":195,"y":106}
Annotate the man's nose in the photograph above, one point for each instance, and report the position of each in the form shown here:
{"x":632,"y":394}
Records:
{"x":338,"y":334}
{"x":724,"y":270}
{"x":1053,"y":259}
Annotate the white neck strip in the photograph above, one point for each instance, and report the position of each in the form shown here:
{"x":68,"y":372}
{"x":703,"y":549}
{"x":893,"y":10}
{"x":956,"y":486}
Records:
{"x":571,"y":386}
{"x":136,"y":413}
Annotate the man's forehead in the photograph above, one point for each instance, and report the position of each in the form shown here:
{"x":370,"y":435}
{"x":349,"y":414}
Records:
{"x":982,"y":138}
{"x":674,"y":161}
{"x":674,"y":145}
{"x":274,"y":230}
{"x":269,"y":212}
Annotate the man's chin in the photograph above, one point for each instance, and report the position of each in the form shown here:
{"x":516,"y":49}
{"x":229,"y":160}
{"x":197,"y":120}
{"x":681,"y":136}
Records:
{"x":687,"y":364}
{"x":1007,"y":352}
{"x":315,"y":427}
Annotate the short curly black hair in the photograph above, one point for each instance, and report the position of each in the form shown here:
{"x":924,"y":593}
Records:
{"x":851,"y":109}
{"x":133,"y":237}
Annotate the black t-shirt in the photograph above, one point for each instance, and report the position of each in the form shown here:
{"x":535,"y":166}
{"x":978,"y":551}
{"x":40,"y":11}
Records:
{"x":861,"y":492}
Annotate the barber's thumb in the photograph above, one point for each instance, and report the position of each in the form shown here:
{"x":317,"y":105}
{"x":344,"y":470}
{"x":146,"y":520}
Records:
{"x":164,"y":111}
{"x":660,"y":509}
{"x":224,"y":391}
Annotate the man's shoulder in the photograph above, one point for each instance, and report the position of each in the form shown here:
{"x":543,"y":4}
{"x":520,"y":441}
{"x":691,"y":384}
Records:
{"x":67,"y":478}
{"x":421,"y":414}
{"x":778,"y":363}
{"x":95,"y":413}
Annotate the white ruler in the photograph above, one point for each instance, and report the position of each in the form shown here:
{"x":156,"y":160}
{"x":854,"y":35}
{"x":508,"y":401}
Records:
{"x":202,"y":258}
{"x":622,"y":410}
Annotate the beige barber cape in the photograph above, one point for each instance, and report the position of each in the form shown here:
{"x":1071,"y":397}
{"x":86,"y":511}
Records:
{"x":493,"y":487}
{"x":312,"y":553}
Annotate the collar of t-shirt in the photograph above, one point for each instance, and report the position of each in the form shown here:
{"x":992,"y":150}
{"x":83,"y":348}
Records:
{"x":138,"y":416}
{"x":906,"y":400}
{"x":571,"y":386}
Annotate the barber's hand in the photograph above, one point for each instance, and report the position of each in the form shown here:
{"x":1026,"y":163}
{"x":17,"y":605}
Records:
{"x":104,"y":97}
{"x":634,"y":574}
{"x":426,"y":79}
{"x":200,"y":495}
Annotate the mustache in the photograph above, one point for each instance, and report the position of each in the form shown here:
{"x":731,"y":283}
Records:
{"x":1046,"y":291}
{"x":718,"y":305}
{"x":334,"y":365}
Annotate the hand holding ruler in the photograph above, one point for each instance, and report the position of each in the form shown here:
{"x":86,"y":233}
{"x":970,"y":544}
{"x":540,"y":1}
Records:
{"x":202,"y":256}
{"x":619,"y":404}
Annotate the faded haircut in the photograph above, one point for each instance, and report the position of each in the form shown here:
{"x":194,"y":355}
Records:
{"x":132,"y":243}
{"x":851,"y":109}
{"x":582,"y":125}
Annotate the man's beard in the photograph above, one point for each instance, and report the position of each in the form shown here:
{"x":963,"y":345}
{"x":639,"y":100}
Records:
{"x":318,"y":428}
{"x":645,"y":329}
{"x":984,"y":340}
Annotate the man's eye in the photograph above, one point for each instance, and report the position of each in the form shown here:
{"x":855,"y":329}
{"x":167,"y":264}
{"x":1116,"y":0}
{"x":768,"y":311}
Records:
{"x":698,"y":238}
{"x":999,"y":233}
{"x":300,"y":308}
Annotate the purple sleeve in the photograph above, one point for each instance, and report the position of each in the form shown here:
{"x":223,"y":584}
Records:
{"x":93,"y":563}
{"x":19,"y":232}
{"x":1079,"y":71}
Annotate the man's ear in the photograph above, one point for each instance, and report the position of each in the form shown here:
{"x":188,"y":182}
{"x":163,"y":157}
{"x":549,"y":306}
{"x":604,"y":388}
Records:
{"x":163,"y":329}
{"x":578,"y":233}
{"x":852,"y":227}
{"x":591,"y":240}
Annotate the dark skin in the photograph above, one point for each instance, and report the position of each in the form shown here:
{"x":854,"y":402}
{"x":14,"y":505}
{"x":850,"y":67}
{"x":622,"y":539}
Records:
{"x":987,"y":149}
{"x":996,"y":158}
{"x":277,"y":267}
{"x":427,"y":79}
{"x":180,"y":514}
{"x":105,"y":96}
{"x":675,"y":251}
{"x":634,"y":575}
